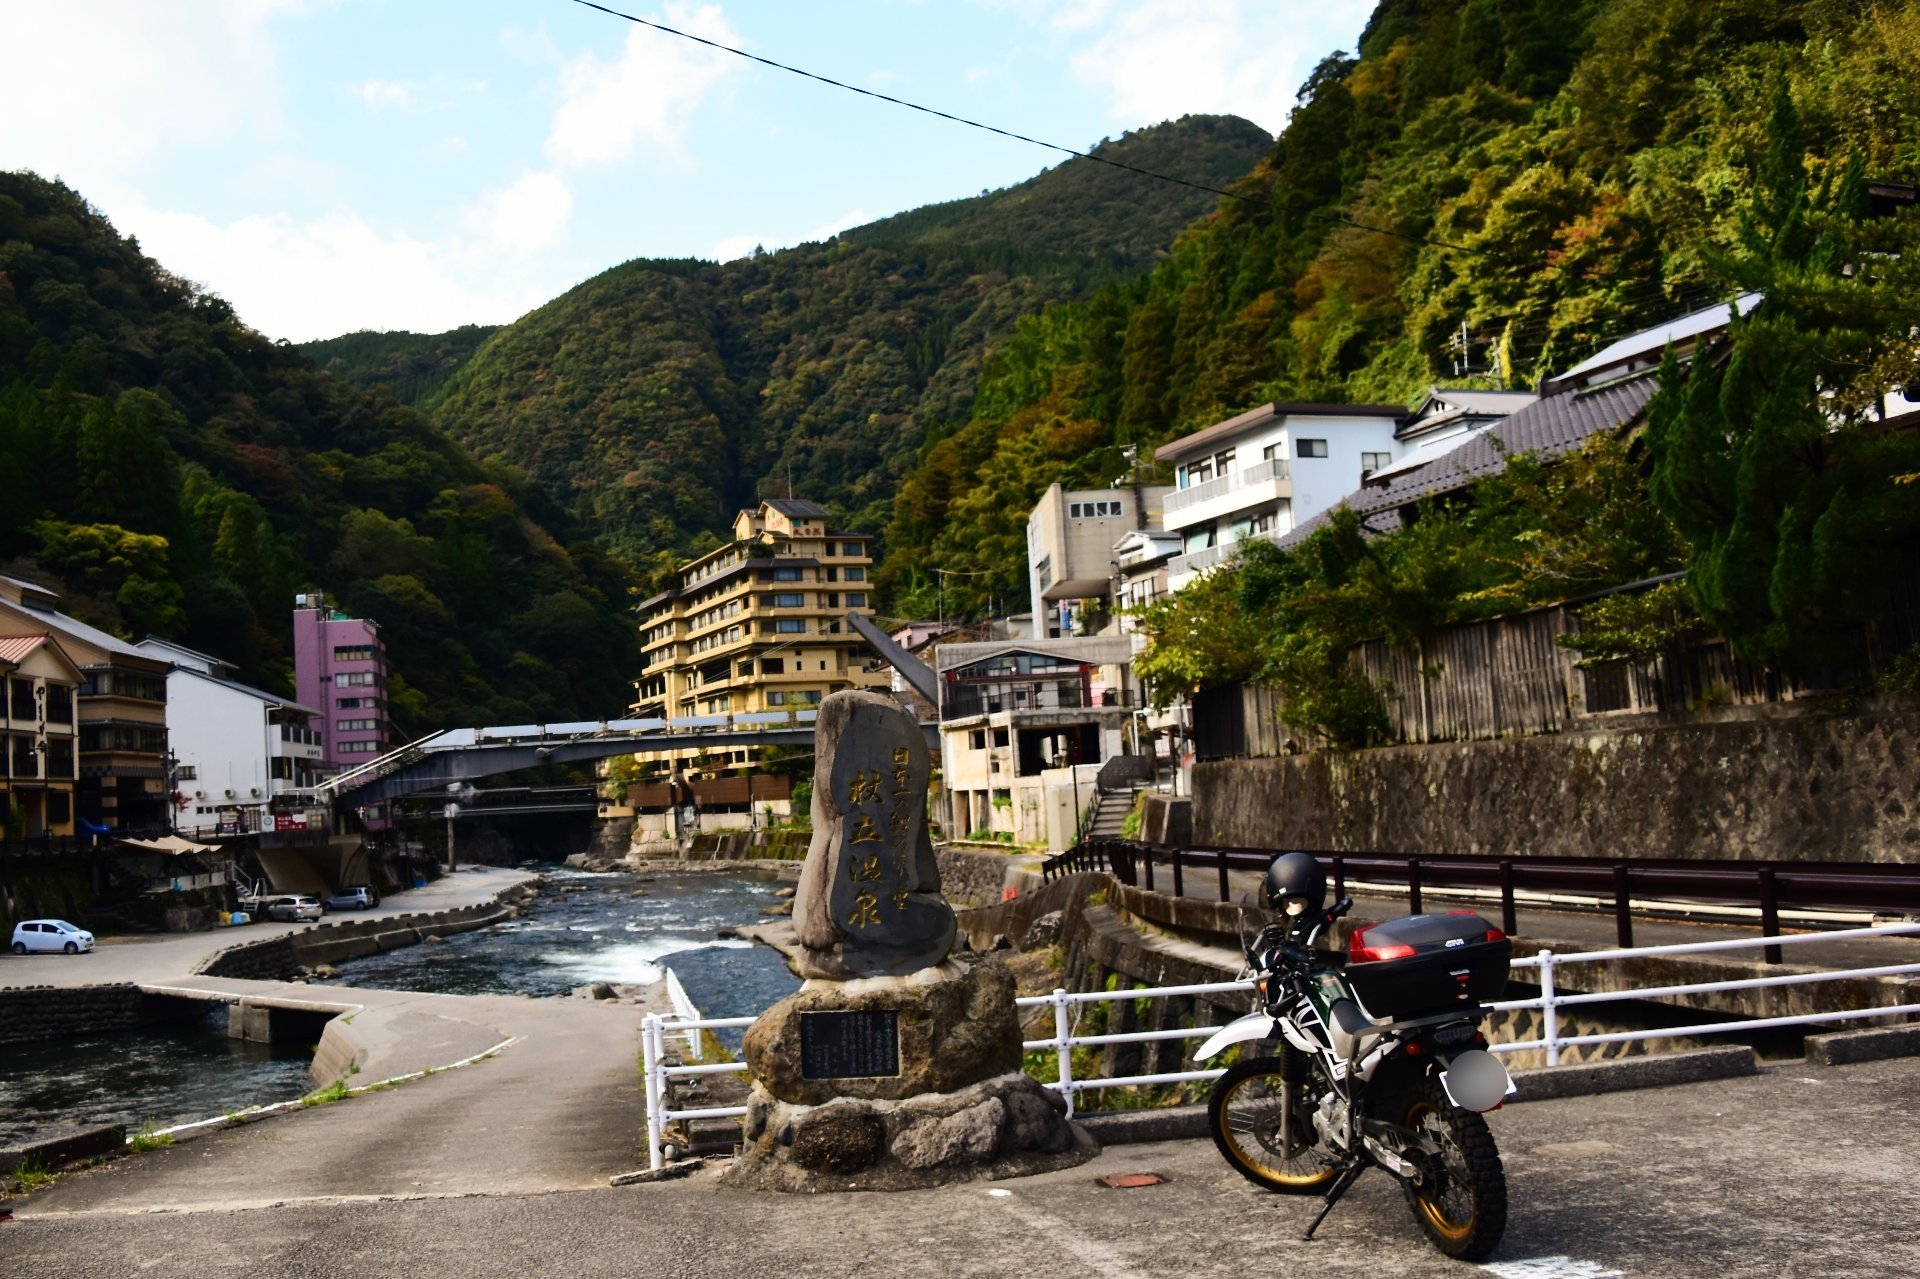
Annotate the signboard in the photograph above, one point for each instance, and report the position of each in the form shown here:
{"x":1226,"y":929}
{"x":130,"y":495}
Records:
{"x":849,"y":1045}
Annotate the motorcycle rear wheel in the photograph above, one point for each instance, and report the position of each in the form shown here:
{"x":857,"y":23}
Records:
{"x":1467,"y":1215}
{"x":1244,"y":1116}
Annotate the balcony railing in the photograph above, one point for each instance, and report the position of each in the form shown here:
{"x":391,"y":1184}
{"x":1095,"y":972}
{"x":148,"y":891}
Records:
{"x":1264,"y":471}
{"x":1213,"y":556}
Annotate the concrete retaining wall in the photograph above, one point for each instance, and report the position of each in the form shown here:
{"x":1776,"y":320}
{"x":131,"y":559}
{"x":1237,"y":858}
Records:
{"x":970,"y":877}
{"x":1816,"y":787}
{"x":280,"y":958}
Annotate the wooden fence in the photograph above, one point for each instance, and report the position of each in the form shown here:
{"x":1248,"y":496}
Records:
{"x":1510,"y":677}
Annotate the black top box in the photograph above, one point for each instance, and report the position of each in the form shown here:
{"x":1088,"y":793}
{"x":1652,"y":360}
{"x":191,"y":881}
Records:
{"x":1424,"y":964}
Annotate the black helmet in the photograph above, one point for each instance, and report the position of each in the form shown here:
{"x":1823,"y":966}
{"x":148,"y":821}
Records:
{"x":1296,"y":877}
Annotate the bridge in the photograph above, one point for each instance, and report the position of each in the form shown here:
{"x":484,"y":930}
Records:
{"x":461,"y":755}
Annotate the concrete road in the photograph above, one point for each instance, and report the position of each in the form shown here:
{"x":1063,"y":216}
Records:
{"x":137,"y":959}
{"x":1796,"y":1171}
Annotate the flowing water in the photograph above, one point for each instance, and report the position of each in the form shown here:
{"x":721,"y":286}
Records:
{"x":583,"y":928}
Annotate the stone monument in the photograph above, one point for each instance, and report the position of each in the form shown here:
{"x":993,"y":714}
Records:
{"x":894,"y":1066}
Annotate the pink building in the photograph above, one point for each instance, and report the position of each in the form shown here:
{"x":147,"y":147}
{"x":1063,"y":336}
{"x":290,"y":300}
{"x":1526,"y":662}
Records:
{"x":340,"y":666}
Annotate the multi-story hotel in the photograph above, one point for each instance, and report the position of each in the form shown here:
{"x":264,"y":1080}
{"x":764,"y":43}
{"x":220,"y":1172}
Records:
{"x":340,"y":669}
{"x":760,"y":624}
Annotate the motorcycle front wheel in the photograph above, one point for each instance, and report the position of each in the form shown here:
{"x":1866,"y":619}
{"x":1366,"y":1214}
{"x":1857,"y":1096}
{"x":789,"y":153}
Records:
{"x":1463,"y":1210}
{"x":1261,"y":1116}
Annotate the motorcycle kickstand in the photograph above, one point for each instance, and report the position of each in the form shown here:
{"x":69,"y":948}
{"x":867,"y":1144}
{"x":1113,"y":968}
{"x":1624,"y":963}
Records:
{"x":1340,"y":1188}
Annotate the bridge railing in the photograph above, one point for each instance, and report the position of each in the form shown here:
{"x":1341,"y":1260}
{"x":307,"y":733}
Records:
{"x":1621,"y":884}
{"x":1542,"y":968}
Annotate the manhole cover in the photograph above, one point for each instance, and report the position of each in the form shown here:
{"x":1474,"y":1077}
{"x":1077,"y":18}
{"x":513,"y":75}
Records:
{"x":1131,"y":1180}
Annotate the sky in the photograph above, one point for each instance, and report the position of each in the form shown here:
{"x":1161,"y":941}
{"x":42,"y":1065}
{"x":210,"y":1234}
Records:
{"x":333,"y":165}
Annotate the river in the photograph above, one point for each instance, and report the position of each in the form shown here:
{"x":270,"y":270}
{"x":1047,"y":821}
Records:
{"x":583,"y":928}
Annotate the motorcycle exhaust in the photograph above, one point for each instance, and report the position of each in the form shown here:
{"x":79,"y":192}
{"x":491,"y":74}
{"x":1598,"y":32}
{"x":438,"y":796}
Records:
{"x":1475,"y":1080}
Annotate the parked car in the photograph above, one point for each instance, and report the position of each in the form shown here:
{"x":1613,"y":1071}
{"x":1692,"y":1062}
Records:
{"x":354,"y":897}
{"x":291,"y":910}
{"x":50,"y":935}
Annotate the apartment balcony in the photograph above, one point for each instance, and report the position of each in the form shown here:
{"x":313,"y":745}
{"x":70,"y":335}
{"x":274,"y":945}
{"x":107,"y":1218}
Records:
{"x":1182,"y":569}
{"x":1262,"y":484}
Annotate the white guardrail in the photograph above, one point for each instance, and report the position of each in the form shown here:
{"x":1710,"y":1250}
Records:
{"x":655,"y":1029}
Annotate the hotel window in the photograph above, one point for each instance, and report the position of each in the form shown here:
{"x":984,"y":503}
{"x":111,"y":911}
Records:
{"x":856,"y":574}
{"x":807,"y":697}
{"x":1309,"y":448}
{"x":356,"y":725}
{"x":856,"y":599}
{"x":353,"y":653}
{"x":357,"y":748}
{"x":355,"y":678}
{"x":786,"y":575}
{"x":1092,"y":510}
{"x":1375,"y":461}
{"x":773,"y":666}
{"x":851,"y":548}
{"x":790,"y":626}
{"x":789,"y":599}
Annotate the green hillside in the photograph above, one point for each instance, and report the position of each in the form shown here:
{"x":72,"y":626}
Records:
{"x":172,"y":471}
{"x":1548,"y":175}
{"x":654,"y":399}
{"x":411,"y":367}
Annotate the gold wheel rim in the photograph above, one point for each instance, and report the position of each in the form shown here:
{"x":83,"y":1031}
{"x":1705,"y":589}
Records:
{"x":1242,"y":1133}
{"x":1432,"y":1210}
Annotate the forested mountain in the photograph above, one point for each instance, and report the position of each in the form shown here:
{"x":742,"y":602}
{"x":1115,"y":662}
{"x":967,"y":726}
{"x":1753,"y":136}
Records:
{"x":657,"y":397}
{"x":171,"y":471}
{"x":411,"y":367}
{"x":1546,"y":173}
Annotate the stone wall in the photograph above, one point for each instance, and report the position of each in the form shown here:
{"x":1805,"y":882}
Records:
{"x":332,"y":942}
{"x":30,"y":1014}
{"x":1810,"y":786}
{"x":970,"y":877}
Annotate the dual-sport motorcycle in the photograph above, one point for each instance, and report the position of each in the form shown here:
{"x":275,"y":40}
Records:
{"x":1381,"y":1064}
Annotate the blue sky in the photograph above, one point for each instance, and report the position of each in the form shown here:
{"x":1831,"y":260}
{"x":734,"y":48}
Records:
{"x":329,"y":165}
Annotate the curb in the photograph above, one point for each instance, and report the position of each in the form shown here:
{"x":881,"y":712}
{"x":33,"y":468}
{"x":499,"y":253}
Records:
{"x":1660,"y":1070}
{"x":1125,"y":1127}
{"x":1845,"y":1047}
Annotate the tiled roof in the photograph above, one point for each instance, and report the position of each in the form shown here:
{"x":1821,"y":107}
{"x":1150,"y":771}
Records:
{"x":1252,"y":417}
{"x":1556,"y":424}
{"x":798,"y":508}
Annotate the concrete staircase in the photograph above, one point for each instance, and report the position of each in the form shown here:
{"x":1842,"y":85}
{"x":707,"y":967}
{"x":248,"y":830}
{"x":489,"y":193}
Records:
{"x":1110,"y":811}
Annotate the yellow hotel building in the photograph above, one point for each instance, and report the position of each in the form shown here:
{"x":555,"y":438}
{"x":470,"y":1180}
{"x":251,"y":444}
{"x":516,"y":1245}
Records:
{"x":760,"y":625}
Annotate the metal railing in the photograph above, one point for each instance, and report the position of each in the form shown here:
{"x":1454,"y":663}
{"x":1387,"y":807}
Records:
{"x":1623,"y":884}
{"x":1550,"y":1001}
{"x":1064,"y":1040}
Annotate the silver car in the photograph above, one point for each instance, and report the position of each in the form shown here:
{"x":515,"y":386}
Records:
{"x":292,"y":910}
{"x":55,"y":935}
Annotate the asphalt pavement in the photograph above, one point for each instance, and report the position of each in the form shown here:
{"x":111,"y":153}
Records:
{"x":1795,"y":1171}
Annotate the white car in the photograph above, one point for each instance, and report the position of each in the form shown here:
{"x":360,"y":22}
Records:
{"x":293,"y":910}
{"x":50,"y":935}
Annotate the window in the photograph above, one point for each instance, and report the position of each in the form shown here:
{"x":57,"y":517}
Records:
{"x":746,"y":669}
{"x":357,"y":748}
{"x":856,"y":574}
{"x":1309,"y":448}
{"x":833,"y":574}
{"x":806,"y":697}
{"x":362,"y":679}
{"x":1260,"y":524}
{"x":280,"y":768}
{"x":789,"y":599}
{"x":60,"y":757}
{"x":852,"y":549}
{"x":786,"y":575}
{"x":59,"y":704}
{"x":356,"y":726}
{"x":1375,"y":461}
{"x":1044,"y":571}
{"x":1093,"y":510}
{"x":790,"y":626}
{"x":59,"y":807}
{"x":25,"y":762}
{"x":856,"y":599}
{"x":186,"y":773}
{"x":977,"y":739}
{"x":23,"y":699}
{"x":773,"y":666}
{"x":353,"y":653}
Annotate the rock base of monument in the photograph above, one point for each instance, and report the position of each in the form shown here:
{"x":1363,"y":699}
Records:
{"x":1008,"y":1126}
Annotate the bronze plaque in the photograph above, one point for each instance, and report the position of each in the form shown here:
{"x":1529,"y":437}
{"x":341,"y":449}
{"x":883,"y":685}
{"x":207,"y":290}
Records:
{"x":850,"y":1045}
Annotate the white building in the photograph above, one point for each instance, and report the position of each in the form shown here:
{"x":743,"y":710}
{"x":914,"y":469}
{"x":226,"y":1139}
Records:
{"x":1267,"y":470}
{"x":244,"y":760}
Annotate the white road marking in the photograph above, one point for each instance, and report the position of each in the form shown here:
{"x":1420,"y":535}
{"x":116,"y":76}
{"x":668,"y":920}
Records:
{"x":1550,"y":1268}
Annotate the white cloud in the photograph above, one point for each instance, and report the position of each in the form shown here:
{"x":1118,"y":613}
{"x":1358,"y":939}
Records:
{"x":608,"y":110}
{"x":318,"y":277}
{"x":1159,"y":59}
{"x":383,"y":95}
{"x":529,"y":215}
{"x":109,"y":86}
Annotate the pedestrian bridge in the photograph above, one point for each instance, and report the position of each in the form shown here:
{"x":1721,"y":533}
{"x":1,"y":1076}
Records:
{"x":461,"y":755}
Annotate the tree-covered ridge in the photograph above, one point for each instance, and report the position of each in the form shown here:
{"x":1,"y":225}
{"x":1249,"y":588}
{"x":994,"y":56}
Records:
{"x":173,"y":471}
{"x":1549,"y":175}
{"x":411,"y":367}
{"x":657,"y":397}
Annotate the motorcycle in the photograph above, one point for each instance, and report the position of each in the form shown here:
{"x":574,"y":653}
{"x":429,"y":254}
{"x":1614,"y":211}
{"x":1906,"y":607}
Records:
{"x":1381,"y":1064}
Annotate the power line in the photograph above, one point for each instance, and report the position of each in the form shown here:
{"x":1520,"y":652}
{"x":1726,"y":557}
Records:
{"x":915,"y":106}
